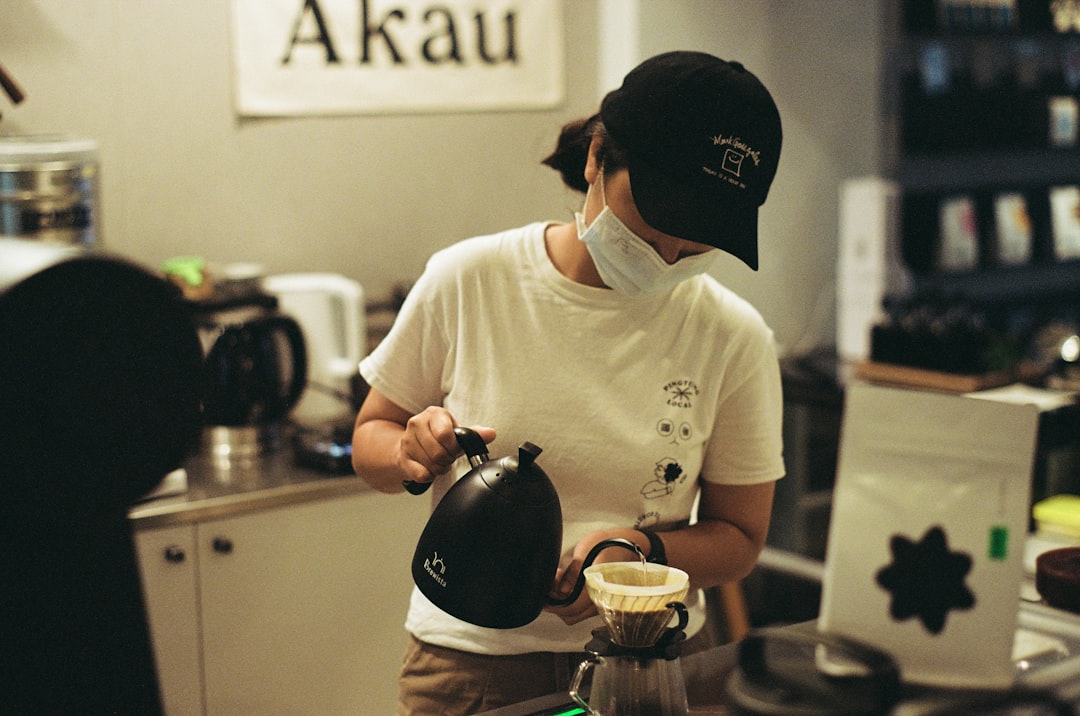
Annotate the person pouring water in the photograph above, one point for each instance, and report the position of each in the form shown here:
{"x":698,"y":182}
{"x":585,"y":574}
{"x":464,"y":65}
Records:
{"x":649,"y":384}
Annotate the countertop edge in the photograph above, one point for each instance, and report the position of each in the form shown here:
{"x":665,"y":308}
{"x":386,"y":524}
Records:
{"x":166,"y":512}
{"x":213,"y":491}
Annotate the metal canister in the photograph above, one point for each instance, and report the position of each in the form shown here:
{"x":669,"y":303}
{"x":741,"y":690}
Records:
{"x":49,"y":189}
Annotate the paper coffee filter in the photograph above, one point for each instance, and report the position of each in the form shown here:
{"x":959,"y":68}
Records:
{"x":632,"y":598}
{"x":633,"y":580}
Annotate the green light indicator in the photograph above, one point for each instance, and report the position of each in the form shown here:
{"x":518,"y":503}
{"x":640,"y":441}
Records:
{"x":999,"y":543}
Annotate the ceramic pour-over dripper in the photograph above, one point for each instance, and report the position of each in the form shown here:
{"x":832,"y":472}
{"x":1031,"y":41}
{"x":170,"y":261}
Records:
{"x":632,"y":598}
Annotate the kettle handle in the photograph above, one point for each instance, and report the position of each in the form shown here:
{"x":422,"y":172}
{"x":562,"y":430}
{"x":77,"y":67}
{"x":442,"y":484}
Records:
{"x":294,"y":336}
{"x":473,"y":445}
{"x":469,"y":441}
{"x":589,"y":559}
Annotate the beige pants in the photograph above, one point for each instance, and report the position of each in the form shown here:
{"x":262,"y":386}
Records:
{"x":436,"y":680}
{"x":447,"y":682}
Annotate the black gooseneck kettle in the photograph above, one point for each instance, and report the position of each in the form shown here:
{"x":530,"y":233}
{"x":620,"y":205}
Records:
{"x":490,"y":549}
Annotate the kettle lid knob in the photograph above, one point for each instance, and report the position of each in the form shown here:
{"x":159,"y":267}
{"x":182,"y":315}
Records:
{"x":527,"y":454}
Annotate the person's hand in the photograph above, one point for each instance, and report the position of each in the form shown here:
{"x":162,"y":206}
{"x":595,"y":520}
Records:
{"x":566,"y":577}
{"x":428,"y":448}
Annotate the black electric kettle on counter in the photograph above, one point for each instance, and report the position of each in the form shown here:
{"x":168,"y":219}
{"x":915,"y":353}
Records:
{"x":489,"y":552}
{"x":254,"y":367}
{"x":255,"y":358}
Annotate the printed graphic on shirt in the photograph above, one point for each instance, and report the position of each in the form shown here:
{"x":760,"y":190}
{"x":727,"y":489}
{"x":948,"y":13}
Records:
{"x":676,"y":429}
{"x":681,"y":393}
{"x":678,"y":432}
{"x":667,"y":473}
{"x":649,"y":519}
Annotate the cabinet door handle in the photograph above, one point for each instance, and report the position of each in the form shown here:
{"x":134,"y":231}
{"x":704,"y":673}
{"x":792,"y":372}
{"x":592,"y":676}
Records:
{"x":175,"y":554}
{"x":222,"y":545}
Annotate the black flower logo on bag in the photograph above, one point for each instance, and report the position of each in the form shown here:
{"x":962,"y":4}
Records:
{"x":926,"y":579}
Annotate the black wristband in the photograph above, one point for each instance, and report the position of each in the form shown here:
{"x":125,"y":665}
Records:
{"x":657,"y":553}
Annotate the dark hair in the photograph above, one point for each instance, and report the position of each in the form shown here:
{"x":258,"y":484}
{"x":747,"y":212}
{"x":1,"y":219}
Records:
{"x":572,"y":151}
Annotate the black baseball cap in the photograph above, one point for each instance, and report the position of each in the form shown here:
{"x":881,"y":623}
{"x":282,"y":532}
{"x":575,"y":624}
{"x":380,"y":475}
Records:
{"x":702,"y":141}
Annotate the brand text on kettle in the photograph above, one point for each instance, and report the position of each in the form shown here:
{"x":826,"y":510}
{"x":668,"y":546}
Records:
{"x":433,"y":562}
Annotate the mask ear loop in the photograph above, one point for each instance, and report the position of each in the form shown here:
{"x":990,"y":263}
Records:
{"x":603,"y":196}
{"x":600,"y":181}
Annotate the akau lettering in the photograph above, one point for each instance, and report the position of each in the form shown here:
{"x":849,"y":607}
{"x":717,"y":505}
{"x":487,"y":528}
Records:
{"x":444,"y":37}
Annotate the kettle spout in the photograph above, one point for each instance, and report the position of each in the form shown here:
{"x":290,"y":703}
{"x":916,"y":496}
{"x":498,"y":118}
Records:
{"x":589,"y":559}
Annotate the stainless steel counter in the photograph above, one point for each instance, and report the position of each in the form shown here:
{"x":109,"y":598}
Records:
{"x":213,"y":491}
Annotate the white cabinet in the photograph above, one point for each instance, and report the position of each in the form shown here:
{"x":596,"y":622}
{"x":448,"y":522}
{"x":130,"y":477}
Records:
{"x":291,"y":610}
{"x":167,"y":563}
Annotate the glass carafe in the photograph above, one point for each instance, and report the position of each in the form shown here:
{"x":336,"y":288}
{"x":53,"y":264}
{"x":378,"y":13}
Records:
{"x":632,"y":686}
{"x":635,"y":679}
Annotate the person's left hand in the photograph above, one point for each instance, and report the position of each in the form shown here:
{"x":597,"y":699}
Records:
{"x":566,"y":577}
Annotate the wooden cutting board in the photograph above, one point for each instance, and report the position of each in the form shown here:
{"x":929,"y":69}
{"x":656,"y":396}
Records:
{"x":909,"y":377}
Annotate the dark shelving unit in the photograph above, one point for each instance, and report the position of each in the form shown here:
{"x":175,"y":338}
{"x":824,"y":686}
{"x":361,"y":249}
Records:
{"x":980,"y":112}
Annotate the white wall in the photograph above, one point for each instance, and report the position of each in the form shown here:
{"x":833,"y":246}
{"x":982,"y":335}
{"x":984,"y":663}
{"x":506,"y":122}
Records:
{"x":373,"y":197}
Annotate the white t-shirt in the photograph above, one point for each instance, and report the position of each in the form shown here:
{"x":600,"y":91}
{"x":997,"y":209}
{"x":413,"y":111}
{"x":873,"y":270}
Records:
{"x":630,"y":399}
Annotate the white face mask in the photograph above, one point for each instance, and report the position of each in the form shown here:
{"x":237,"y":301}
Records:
{"x":626,"y":263}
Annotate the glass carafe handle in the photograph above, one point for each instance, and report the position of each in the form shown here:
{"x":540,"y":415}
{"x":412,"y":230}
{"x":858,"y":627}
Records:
{"x":579,"y":676}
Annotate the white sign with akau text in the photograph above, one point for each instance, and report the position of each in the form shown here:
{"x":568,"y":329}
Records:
{"x":340,"y":57}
